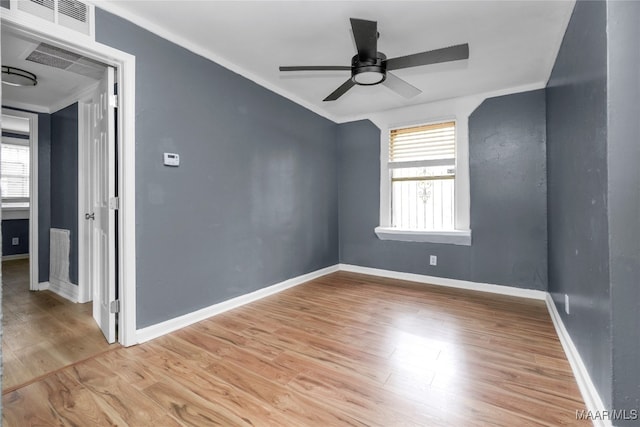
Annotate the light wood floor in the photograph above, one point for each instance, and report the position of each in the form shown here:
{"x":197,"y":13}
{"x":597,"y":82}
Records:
{"x":345,"y":349}
{"x":43,"y":332}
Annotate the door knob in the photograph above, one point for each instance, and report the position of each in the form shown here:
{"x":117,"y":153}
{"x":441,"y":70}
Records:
{"x":90,"y":216}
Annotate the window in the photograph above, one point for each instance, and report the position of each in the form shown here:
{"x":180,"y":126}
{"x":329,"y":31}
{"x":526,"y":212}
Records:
{"x":422,"y":171}
{"x":14,"y":178}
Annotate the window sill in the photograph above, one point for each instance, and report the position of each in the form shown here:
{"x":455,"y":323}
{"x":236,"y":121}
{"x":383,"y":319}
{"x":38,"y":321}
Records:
{"x":453,"y":237}
{"x":14,"y":212}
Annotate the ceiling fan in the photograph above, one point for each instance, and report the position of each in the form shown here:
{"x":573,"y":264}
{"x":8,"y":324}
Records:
{"x":370,"y":67}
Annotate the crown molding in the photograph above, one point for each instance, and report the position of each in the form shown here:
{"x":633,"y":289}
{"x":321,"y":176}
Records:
{"x":199,"y":50}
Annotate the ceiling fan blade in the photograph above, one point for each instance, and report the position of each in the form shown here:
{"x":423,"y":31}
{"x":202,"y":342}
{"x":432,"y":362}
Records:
{"x":453,"y":53}
{"x":365,"y":34}
{"x":316,"y":68}
{"x":400,"y":86}
{"x":340,"y":91}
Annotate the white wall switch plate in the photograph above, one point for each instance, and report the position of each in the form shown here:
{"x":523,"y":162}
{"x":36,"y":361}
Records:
{"x":566,"y":303}
{"x":433,"y":260}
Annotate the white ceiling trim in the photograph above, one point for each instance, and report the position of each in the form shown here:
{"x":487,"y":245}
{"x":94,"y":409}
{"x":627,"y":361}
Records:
{"x":24,"y":106}
{"x":480,"y":96}
{"x":205,"y":53}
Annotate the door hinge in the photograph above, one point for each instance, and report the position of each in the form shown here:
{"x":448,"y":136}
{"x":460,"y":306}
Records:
{"x":114,"y":203}
{"x":114,"y":307}
{"x":113,"y":101}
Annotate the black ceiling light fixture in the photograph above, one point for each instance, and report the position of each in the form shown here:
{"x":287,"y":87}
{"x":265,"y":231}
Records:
{"x":370,"y":67}
{"x":18,"y":77}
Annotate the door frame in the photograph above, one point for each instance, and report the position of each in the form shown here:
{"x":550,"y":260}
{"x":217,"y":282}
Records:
{"x":34,"y":278}
{"x":124,"y":63}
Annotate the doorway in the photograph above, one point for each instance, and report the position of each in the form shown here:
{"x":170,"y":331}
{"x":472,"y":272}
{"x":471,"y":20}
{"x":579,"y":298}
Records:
{"x":97,"y":278}
{"x":51,"y":328}
{"x":122,"y":206}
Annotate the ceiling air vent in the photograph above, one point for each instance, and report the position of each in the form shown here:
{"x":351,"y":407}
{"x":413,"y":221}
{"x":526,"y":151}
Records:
{"x":72,"y":14}
{"x":41,"y":8}
{"x":73,"y":9}
{"x":56,"y":57}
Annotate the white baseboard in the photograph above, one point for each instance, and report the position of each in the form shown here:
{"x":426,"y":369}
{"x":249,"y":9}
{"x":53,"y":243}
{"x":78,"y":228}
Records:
{"x":443,"y":281}
{"x":163,"y":328}
{"x":587,"y":388}
{"x":16,"y":256}
{"x":64,"y":289}
{"x":159,"y":329}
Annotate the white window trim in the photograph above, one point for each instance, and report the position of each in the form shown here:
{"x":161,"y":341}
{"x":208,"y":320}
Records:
{"x":13,"y":212}
{"x":457,"y":110}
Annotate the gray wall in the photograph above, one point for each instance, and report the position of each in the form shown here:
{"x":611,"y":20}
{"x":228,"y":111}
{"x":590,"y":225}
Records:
{"x":15,"y":228}
{"x":508,"y":200}
{"x":64,"y":179}
{"x":507,"y":172}
{"x":254,"y":201}
{"x":577,"y":189}
{"x":623,"y":155}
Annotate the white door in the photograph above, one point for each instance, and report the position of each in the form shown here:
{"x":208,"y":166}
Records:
{"x":101,"y":219}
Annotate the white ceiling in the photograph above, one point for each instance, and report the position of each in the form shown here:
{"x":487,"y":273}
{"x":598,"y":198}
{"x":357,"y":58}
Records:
{"x":54,"y":85}
{"x":512,"y":43}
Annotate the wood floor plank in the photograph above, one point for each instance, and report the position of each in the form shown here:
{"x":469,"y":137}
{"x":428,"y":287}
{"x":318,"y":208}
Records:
{"x":130,"y":404}
{"x":299,"y":408}
{"x":259,"y":365}
{"x":237,"y":404}
{"x":130,"y":366}
{"x":345,"y":349}
{"x":187,"y":407}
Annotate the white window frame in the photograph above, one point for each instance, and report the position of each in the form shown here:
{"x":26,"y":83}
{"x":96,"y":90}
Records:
{"x":8,"y":140}
{"x":416,"y":163}
{"x":461,"y":235}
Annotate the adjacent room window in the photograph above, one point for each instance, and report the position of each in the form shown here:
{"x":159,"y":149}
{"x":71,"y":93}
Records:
{"x":14,"y":166}
{"x":422,"y":171}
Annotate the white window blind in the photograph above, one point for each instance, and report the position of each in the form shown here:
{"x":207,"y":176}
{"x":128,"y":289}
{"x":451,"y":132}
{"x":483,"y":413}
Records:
{"x":434,"y":142}
{"x":422,"y":172}
{"x":14,"y":180}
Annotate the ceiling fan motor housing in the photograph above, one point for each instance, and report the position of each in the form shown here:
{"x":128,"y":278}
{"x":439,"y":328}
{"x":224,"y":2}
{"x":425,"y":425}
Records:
{"x":369,"y":72}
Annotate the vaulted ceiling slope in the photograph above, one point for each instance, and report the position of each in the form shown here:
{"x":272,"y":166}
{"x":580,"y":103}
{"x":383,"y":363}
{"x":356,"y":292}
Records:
{"x":512,"y":44}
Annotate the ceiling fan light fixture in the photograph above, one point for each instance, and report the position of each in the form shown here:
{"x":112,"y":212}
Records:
{"x":370,"y":72}
{"x":369,"y":66}
{"x":368,"y":78}
{"x":18,"y":77}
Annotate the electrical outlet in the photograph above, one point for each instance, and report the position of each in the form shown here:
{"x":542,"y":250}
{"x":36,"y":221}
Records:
{"x":15,"y":241}
{"x":566,"y":303}
{"x":433,"y":260}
